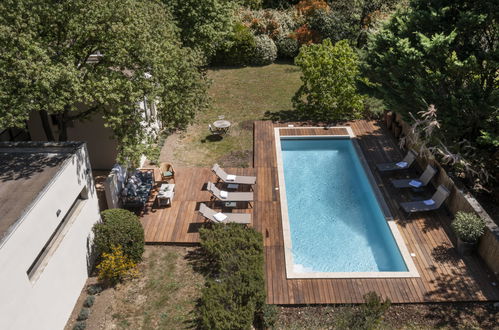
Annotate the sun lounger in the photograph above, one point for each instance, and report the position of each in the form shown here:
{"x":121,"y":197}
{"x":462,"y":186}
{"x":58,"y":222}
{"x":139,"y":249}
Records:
{"x":420,"y":182}
{"x":211,"y":215}
{"x":397,"y":166}
{"x":431,"y":204}
{"x":229,"y":196}
{"x":230,"y":178}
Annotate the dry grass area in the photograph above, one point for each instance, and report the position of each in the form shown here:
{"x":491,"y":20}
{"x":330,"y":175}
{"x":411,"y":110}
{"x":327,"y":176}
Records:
{"x":406,"y":316}
{"x":163,"y":297}
{"x":242,"y":95}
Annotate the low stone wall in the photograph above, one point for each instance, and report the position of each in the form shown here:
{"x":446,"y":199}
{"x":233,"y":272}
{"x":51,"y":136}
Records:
{"x":459,"y":199}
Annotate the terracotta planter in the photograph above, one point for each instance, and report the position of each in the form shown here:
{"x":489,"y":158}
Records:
{"x":465,"y":248}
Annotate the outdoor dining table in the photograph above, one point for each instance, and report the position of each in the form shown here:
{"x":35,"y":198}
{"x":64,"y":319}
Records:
{"x":222,"y":125}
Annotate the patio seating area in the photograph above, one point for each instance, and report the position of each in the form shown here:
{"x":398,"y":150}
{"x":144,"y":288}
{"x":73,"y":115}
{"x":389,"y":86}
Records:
{"x":444,"y":275}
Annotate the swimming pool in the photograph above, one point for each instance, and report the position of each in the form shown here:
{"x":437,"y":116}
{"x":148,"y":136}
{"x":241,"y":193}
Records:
{"x":334,"y":225}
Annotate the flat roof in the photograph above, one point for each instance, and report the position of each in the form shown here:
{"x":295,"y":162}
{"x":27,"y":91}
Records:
{"x":26,"y":169}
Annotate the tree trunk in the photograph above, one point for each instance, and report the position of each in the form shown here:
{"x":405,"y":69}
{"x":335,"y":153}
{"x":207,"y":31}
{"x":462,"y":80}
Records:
{"x":46,"y":125}
{"x":63,"y":127}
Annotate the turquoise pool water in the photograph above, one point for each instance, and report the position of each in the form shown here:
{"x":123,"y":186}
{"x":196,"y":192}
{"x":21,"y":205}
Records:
{"x":335,"y":221}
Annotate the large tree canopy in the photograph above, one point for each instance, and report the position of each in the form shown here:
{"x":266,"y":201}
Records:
{"x":445,"y":53}
{"x":44,"y":67}
{"x":204,"y":24}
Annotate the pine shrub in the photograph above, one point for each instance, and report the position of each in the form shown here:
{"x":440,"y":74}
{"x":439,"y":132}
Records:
{"x":84,"y":313}
{"x":235,"y":291}
{"x":122,"y":228}
{"x":89,"y":301}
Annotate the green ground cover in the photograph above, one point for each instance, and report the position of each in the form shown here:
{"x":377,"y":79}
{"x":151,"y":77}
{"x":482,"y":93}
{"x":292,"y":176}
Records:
{"x":242,"y":95}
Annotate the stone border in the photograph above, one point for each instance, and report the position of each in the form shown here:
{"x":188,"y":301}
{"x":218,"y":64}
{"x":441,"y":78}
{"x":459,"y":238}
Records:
{"x":460,"y":200}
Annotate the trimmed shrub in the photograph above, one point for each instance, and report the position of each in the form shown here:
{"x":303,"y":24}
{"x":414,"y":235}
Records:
{"x":119,"y":228}
{"x":468,"y":226}
{"x":239,"y":49}
{"x":84,"y":313}
{"x":235,"y":290}
{"x":80,"y":325}
{"x":265,"y":50}
{"x":89,"y":302}
{"x":287,"y":47}
{"x":94,"y":289}
{"x":116,"y":266}
{"x":274,"y":23}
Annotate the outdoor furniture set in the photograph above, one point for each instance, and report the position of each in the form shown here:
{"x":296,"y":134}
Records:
{"x":416,"y":184}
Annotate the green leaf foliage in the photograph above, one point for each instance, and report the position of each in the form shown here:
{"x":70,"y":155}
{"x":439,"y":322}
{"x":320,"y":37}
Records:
{"x":235,"y":291}
{"x":443,"y":53}
{"x":119,"y":227}
{"x":329,"y":74}
{"x":44,"y":66}
{"x":468,"y":226}
{"x":238,"y":48}
{"x":204,"y":25}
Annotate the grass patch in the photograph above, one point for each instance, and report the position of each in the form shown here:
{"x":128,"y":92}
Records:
{"x":163,"y":297}
{"x":242,"y":95}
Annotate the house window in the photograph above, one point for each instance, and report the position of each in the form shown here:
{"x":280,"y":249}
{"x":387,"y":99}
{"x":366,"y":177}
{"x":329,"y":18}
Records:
{"x":43,"y":258}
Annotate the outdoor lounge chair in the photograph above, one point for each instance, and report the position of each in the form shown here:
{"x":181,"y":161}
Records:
{"x":212,"y":215}
{"x":396,"y":166}
{"x":431,"y":204}
{"x":420,"y":182}
{"x":230,"y":196}
{"x":229,"y":178}
{"x":167,"y":171}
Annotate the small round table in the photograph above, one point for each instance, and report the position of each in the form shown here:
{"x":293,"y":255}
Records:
{"x":222,"y":125}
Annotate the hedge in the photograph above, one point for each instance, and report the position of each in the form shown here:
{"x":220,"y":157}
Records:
{"x":234,"y":295}
{"x":119,"y":227}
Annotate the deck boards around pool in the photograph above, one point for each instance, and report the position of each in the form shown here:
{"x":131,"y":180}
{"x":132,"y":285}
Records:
{"x":444,"y":276}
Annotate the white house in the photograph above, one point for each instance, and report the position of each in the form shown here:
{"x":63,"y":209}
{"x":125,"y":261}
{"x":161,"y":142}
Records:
{"x":48,"y":206}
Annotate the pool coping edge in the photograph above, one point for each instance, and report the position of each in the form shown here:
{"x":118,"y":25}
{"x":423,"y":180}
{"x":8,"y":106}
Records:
{"x":412,"y":271}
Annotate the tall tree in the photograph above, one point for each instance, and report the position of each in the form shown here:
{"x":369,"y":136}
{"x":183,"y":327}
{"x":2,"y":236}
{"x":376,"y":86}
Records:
{"x":45,"y":67}
{"x":204,"y":25}
{"x":445,"y":53}
{"x":330,"y":74}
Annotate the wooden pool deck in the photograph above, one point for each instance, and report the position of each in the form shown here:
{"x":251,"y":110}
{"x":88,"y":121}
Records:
{"x":444,"y":276}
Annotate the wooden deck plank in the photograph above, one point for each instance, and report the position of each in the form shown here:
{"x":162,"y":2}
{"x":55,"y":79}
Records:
{"x":444,"y":276}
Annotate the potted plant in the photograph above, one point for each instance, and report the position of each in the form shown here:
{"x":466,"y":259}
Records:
{"x":468,"y":228}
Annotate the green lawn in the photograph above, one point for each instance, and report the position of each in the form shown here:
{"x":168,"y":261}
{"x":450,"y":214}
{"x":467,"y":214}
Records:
{"x":242,"y":95}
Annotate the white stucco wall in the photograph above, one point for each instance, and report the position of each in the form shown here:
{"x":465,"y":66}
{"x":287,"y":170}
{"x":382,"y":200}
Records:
{"x":48,"y":302}
{"x":102,"y":148}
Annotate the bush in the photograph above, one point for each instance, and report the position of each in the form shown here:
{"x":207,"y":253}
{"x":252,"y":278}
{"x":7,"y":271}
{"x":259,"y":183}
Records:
{"x":89,"y":302}
{"x":468,"y":226}
{"x":330,"y":74}
{"x":306,"y":36}
{"x":116,"y":266}
{"x":84,"y":313}
{"x":265,"y":51}
{"x":309,"y":7}
{"x":287,"y":47}
{"x":268,"y":316}
{"x":119,"y":228}
{"x":235,"y":291}
{"x":274,"y":23}
{"x":80,"y":325}
{"x":368,"y":316}
{"x":94,"y":289}
{"x":330,"y":24}
{"x":239,"y":49}
{"x":373,"y":108}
